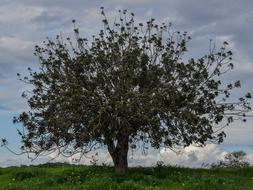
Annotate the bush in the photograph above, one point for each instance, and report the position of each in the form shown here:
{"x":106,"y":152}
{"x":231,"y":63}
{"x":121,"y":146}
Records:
{"x":71,"y":177}
{"x":27,"y":174}
{"x":127,"y":185}
{"x":236,"y":159}
{"x":22,"y":175}
{"x":53,"y":164}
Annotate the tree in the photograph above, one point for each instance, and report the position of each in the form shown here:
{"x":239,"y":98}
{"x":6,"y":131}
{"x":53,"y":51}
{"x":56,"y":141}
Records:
{"x":236,"y":159}
{"x":127,"y":85}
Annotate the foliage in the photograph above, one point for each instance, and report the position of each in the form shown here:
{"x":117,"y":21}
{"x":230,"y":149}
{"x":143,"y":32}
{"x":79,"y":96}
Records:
{"x":236,"y":159}
{"x":26,"y":174}
{"x":131,"y":83}
{"x":85,"y":178}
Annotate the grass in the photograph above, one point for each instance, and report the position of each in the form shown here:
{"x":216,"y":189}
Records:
{"x":64,"y":177}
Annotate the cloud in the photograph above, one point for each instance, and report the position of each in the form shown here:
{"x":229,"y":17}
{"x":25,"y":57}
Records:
{"x":189,"y":157}
{"x":193,"y":157}
{"x":18,"y":13}
{"x":16,"y":47}
{"x":239,"y":133}
{"x":15,"y":56}
{"x":142,"y":2}
{"x":12,"y":160}
{"x":4,"y":108}
{"x":4,"y":98}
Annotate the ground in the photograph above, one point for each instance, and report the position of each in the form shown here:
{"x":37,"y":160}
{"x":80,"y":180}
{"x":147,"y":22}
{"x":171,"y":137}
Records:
{"x":64,"y":177}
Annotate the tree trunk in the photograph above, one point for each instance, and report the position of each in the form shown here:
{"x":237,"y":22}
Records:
{"x":120,"y":162}
{"x":119,"y":154}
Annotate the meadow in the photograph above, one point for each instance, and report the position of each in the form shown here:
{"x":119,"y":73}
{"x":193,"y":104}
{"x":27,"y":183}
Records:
{"x":73,"y":177}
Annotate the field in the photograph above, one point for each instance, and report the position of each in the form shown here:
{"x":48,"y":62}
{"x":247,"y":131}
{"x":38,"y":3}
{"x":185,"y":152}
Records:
{"x":63,"y":177}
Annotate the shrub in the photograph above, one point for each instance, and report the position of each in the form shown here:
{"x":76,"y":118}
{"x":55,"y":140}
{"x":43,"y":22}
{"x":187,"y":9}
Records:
{"x":236,"y":159}
{"x":71,"y":177}
{"x":27,"y":174}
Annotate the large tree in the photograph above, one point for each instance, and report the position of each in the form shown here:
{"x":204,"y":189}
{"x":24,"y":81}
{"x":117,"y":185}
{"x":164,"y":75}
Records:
{"x":131,"y":83}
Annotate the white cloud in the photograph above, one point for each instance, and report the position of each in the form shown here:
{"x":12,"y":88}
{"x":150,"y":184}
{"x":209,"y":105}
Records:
{"x":132,"y":1}
{"x":250,"y":158}
{"x":239,"y":133}
{"x":191,"y":156}
{"x":16,"y":48}
{"x":18,"y":13}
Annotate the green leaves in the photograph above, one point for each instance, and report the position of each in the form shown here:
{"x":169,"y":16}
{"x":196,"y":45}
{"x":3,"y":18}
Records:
{"x":4,"y":142}
{"x":237,"y":84}
{"x":248,"y":95}
{"x":131,"y":81}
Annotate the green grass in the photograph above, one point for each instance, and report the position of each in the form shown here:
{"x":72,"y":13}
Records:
{"x":63,"y":177}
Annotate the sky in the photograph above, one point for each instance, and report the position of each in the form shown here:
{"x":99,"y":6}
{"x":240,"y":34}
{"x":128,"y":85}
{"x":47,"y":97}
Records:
{"x":25,"y":23}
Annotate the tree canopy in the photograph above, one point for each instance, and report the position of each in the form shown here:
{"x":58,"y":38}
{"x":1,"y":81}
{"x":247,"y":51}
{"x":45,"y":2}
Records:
{"x":129,"y":84}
